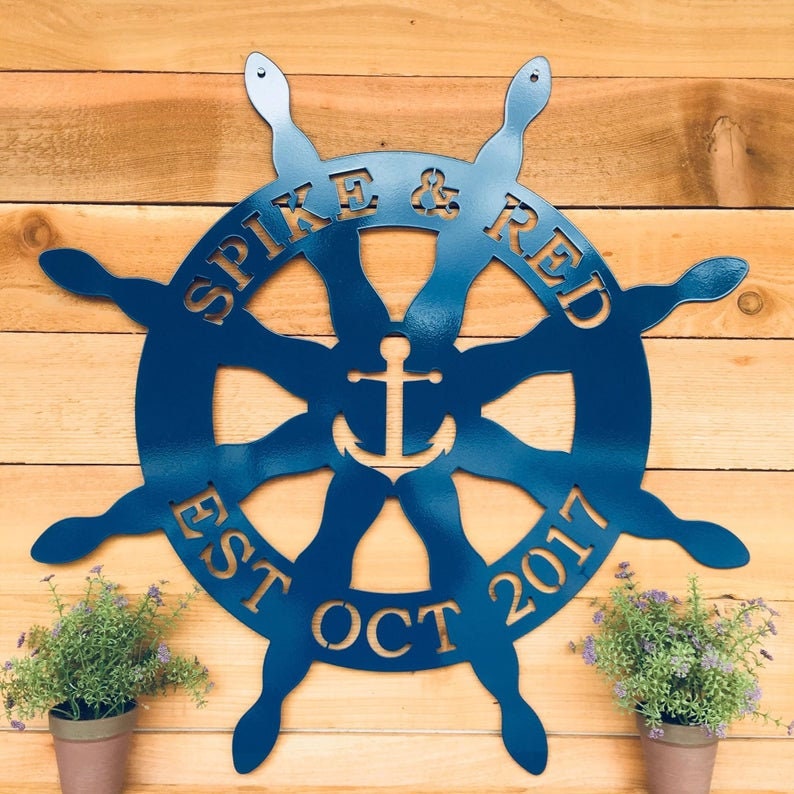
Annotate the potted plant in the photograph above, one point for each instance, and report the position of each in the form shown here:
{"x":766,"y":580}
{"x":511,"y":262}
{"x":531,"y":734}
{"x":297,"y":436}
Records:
{"x":87,"y":671}
{"x":686,"y":668}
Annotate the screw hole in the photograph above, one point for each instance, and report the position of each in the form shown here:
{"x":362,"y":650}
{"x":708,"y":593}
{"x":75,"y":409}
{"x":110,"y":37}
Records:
{"x":535,"y":76}
{"x":261,"y":71}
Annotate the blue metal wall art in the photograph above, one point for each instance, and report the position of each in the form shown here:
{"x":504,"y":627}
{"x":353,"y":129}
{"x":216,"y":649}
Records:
{"x":406,"y":374}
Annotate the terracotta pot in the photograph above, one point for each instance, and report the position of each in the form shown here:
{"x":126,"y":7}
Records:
{"x":92,"y":754}
{"x":680,"y":762}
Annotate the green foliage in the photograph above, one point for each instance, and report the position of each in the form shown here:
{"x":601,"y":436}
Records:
{"x":677,"y":661}
{"x":100,"y":655}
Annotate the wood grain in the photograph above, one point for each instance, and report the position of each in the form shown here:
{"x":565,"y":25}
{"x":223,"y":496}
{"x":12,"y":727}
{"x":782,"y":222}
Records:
{"x":734,"y":499}
{"x":407,"y":764}
{"x":334,"y":699}
{"x":165,"y":138}
{"x":653,"y":37}
{"x":54,"y":413}
{"x":125,"y":130}
{"x":571,"y":699}
{"x":729,"y":498}
{"x":640,"y":246}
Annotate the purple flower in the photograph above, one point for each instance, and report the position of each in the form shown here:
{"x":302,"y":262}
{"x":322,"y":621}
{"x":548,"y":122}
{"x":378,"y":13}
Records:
{"x":648,"y":646}
{"x":121,"y":601}
{"x":765,"y":653}
{"x":620,"y":689}
{"x":572,"y":646}
{"x":589,"y":654}
{"x":790,"y":729}
{"x":8,"y":665}
{"x":163,"y":654}
{"x":17,"y":725}
{"x":624,"y":575}
{"x":772,"y":627}
{"x":748,"y":620}
{"x":719,"y":627}
{"x":656,"y":733}
{"x":48,"y":577}
{"x":721,"y":731}
{"x":97,"y":569}
{"x":56,"y":629}
{"x":751,"y":698}
{"x":696,"y":644}
{"x":154,"y":593}
{"x":598,"y":617}
{"x":710,"y":659}
{"x":21,"y":640}
{"x":680,"y":666}
{"x":672,"y":631}
{"x":659,"y":596}
{"x":624,"y":565}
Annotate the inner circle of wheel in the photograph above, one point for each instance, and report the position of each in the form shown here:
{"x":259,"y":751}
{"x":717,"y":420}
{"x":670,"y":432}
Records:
{"x":186,"y":381}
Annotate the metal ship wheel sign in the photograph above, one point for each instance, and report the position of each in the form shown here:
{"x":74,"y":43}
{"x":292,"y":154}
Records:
{"x":406,"y":375}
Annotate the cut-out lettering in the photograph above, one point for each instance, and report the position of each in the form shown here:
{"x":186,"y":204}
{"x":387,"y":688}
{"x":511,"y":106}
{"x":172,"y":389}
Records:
{"x":516,"y":611}
{"x":356,"y":198}
{"x":299,"y":220}
{"x":432,"y":198}
{"x":201,"y":294}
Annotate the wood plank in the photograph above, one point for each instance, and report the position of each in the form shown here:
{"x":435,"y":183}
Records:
{"x":55,"y":413}
{"x":651,"y":108}
{"x":406,"y":764}
{"x":640,"y":246}
{"x":754,"y":505}
{"x":647,"y":38}
{"x":54,"y":788}
{"x":568,"y":696}
{"x":600,"y":142}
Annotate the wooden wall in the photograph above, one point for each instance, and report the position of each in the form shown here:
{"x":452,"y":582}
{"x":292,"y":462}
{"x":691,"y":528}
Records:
{"x":125,"y":130}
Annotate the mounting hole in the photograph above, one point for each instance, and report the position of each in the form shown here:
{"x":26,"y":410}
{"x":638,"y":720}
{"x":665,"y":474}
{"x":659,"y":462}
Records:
{"x":261,"y":71}
{"x":535,"y":76}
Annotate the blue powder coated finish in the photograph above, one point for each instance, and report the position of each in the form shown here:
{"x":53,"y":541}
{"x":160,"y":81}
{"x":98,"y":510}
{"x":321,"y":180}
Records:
{"x":407,"y":376}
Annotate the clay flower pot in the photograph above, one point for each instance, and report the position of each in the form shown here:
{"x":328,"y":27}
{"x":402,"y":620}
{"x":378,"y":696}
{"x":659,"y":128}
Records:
{"x":92,"y":754}
{"x":681,"y":761}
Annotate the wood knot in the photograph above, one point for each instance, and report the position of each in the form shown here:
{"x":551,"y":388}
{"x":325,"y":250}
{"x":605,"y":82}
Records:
{"x":36,"y":232}
{"x":731,"y":169}
{"x":750,"y":302}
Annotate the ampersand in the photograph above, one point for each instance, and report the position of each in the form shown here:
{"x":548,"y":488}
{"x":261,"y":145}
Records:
{"x":432,"y":198}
